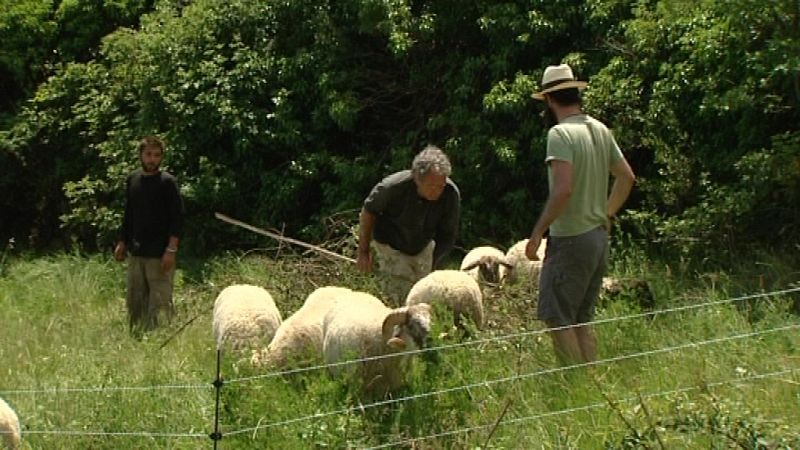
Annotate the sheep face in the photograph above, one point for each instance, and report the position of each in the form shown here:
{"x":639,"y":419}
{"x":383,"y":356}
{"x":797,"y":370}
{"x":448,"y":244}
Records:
{"x":404,"y":329}
{"x":489,"y":268}
{"x":407,"y":328}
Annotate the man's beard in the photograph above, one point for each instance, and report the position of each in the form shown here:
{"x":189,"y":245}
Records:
{"x":150,"y":168}
{"x":548,"y":118}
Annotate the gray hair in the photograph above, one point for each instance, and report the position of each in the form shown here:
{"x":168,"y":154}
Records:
{"x":431,"y":158}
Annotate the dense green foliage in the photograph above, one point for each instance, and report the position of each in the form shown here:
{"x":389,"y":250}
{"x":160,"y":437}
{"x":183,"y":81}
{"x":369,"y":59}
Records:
{"x":41,"y":35}
{"x":283,"y":113}
{"x":70,"y":366}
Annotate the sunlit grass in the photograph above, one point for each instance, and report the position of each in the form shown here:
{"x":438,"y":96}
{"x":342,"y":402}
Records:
{"x":64,"y":327}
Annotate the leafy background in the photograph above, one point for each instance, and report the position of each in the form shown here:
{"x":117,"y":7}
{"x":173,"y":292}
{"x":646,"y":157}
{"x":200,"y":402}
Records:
{"x":284,"y":113}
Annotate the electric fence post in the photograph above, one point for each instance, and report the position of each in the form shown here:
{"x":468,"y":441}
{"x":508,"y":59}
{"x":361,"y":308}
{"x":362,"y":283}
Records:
{"x":216,"y":436}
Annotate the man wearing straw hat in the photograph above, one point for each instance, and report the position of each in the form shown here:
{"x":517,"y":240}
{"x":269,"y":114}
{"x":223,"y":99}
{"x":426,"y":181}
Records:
{"x":581,"y":153}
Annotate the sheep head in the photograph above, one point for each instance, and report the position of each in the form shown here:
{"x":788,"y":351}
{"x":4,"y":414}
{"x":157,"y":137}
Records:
{"x":406,"y":326}
{"x":489,"y":267}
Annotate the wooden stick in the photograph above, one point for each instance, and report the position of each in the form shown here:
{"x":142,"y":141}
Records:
{"x":246,"y":226}
{"x":496,"y":423}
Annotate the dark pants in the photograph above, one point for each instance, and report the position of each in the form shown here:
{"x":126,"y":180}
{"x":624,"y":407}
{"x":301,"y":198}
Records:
{"x":149,"y":292}
{"x":571,"y":277}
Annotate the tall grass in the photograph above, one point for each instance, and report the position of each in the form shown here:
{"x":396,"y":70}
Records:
{"x":69,"y":364}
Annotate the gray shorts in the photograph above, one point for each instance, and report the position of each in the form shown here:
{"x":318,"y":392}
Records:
{"x":572,"y":274}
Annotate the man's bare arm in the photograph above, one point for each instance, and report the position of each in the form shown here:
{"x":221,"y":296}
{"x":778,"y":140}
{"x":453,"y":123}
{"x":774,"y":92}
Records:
{"x":623,"y":183}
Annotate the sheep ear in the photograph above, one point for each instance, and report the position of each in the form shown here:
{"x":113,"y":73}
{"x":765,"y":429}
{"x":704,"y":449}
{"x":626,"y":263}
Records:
{"x":503,"y":262}
{"x":397,"y":317}
{"x":396,"y":344}
{"x":471,"y":266}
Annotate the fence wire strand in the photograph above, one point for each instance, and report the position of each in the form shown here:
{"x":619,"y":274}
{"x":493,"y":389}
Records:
{"x":107,"y":389}
{"x":115,"y":433}
{"x":487,"y":383}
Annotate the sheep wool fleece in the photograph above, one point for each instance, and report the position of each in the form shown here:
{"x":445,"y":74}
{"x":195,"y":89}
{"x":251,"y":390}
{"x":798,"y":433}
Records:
{"x":9,"y":426}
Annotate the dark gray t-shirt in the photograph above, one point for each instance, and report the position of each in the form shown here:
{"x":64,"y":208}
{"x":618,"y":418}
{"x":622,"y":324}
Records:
{"x":407,"y":222}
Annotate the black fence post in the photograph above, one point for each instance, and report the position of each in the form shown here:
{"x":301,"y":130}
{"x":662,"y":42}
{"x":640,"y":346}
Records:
{"x":216,"y":436}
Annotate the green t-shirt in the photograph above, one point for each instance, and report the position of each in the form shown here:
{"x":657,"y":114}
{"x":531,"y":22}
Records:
{"x":590,"y":147}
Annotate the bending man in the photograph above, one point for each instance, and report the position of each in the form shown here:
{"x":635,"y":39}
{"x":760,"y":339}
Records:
{"x":410,"y":218}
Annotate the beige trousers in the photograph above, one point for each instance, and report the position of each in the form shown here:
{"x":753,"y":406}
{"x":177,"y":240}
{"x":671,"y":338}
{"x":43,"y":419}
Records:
{"x":398,"y":271}
{"x":149,"y":292}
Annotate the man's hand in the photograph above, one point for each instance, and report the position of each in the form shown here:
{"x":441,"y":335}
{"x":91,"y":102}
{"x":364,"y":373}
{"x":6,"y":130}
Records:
{"x":532,"y":249}
{"x":609,"y":223}
{"x":119,"y":251}
{"x":364,"y":261}
{"x":167,"y":261}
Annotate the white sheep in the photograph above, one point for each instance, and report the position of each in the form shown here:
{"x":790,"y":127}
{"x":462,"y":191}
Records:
{"x":244,"y":316}
{"x":453,"y":288}
{"x":361,"y":326}
{"x":9,"y":426}
{"x":484,"y":263}
{"x":520,"y":267}
{"x":299,"y":337}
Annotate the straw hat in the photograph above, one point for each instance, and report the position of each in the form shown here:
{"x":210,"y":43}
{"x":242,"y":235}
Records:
{"x":556,"y":78}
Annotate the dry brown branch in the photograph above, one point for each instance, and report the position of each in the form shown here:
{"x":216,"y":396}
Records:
{"x":281,"y":238}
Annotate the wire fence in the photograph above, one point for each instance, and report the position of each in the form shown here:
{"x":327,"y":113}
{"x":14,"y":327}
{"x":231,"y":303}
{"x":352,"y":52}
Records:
{"x":589,"y":407}
{"x":218,"y":383}
{"x":487,"y":383}
{"x":473,"y":342}
{"x":512,"y":336}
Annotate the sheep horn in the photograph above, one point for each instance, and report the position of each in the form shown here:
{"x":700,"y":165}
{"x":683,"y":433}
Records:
{"x":398,"y":317}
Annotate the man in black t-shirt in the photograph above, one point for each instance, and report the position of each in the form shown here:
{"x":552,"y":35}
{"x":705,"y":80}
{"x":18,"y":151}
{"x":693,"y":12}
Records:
{"x":410,"y":219}
{"x":150,"y":232}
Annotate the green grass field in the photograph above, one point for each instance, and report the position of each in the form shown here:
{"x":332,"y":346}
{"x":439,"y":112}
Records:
{"x":721,"y":375}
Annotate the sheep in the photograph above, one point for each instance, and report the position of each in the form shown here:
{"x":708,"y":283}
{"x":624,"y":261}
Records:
{"x":634,"y":289}
{"x":484,"y":263}
{"x":9,"y":426}
{"x":244,"y":315}
{"x":519,"y":266}
{"x":300,"y":336}
{"x":361,"y":325}
{"x":453,"y":288}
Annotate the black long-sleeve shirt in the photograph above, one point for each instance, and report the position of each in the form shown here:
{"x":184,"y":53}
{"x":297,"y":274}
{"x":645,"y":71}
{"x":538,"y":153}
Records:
{"x":153,"y":213}
{"x":407,"y":222}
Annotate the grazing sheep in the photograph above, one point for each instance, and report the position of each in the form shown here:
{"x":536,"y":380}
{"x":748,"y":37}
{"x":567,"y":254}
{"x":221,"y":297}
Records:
{"x":360,"y":325}
{"x":634,"y":289}
{"x":483,"y":264}
{"x":9,"y":426}
{"x":299,"y":337}
{"x":519,"y":266}
{"x":453,"y":288}
{"x":244,"y":316}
